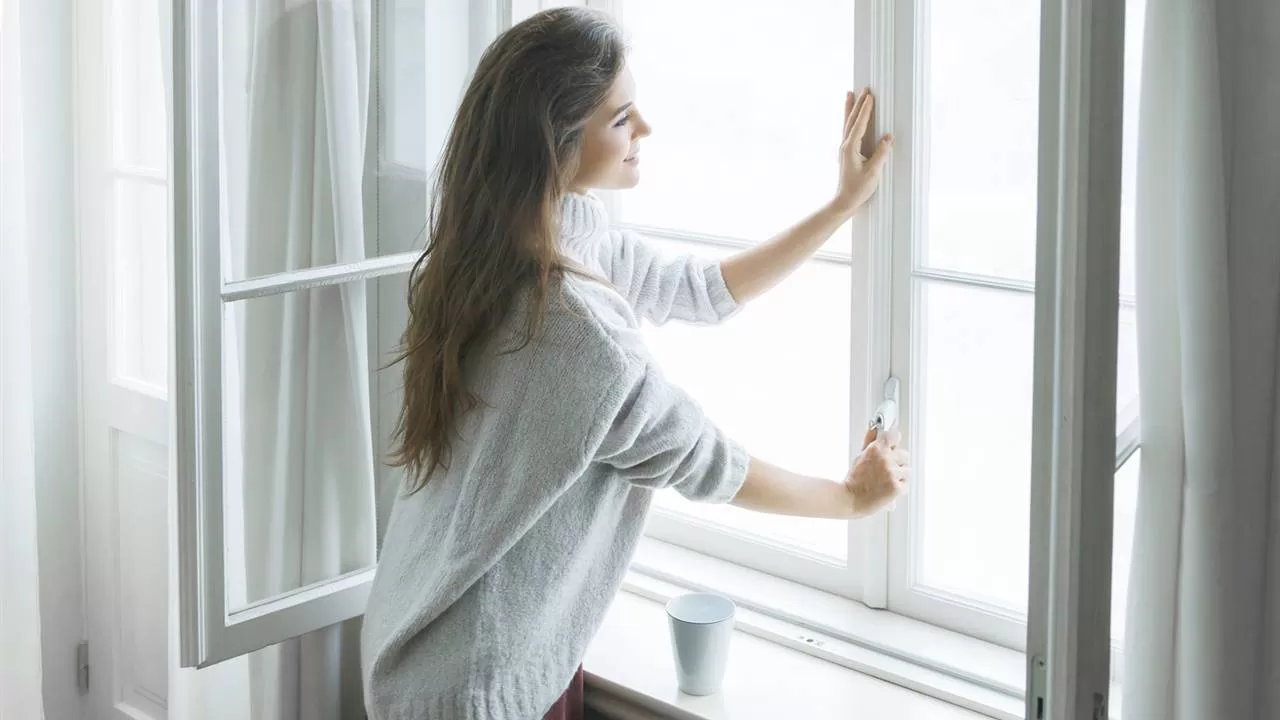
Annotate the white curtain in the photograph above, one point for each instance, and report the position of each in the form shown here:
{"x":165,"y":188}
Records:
{"x":1203,"y":632}
{"x":295,"y":168}
{"x":20,"y":663}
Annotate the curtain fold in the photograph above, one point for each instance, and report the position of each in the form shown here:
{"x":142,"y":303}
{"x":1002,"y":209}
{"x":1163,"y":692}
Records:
{"x":1203,"y":613}
{"x":20,"y":652}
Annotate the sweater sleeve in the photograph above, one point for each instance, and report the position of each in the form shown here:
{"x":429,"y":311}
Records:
{"x":687,"y":288}
{"x":660,"y":437}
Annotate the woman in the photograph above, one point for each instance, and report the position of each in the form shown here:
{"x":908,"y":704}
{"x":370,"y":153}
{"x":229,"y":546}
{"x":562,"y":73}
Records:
{"x":535,"y":426}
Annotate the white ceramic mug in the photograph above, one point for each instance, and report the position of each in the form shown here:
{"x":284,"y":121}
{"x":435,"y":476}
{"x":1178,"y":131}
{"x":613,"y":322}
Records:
{"x":701,"y":627}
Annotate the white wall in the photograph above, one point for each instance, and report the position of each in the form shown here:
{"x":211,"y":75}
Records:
{"x":47,"y":62}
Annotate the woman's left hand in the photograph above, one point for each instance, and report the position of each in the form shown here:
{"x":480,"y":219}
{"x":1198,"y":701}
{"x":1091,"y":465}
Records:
{"x":859,"y":175}
{"x":750,"y":273}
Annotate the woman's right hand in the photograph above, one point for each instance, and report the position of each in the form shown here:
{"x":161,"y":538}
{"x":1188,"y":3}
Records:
{"x":879,"y":474}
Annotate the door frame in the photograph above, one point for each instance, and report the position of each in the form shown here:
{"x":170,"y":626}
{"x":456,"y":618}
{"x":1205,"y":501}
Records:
{"x":123,"y":424}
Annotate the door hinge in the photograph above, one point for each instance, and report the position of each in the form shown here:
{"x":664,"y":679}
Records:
{"x":1099,"y":706}
{"x":1037,"y":689}
{"x":82,"y":666}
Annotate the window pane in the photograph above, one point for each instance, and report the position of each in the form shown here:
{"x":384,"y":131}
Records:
{"x":1126,"y":481}
{"x":521,"y":9}
{"x":1134,"y":19}
{"x":776,"y":378}
{"x":1126,"y":512}
{"x":981,"y":100}
{"x":139,"y":282}
{"x":971,"y":441}
{"x":298,"y":439}
{"x":418,"y":106}
{"x":746,"y":101}
{"x":1127,"y":378}
{"x":405,"y":87}
{"x":137,"y":94}
{"x":294,"y":122}
{"x":1127,"y":360}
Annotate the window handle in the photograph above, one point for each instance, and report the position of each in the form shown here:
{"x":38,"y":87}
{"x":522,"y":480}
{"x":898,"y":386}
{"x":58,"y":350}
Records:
{"x":886,"y":417}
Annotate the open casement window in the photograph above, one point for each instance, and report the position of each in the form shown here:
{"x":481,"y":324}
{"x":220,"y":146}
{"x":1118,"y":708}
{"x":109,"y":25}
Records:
{"x":933,"y":283}
{"x":959,"y":222}
{"x":284,"y":248}
{"x":301,"y":171}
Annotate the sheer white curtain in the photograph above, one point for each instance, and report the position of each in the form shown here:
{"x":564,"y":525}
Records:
{"x":1203,"y":631}
{"x":302,"y":360}
{"x":20,"y":673}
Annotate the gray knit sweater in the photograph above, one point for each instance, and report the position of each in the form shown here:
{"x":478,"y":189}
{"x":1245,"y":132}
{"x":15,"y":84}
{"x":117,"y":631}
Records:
{"x":495,"y":576}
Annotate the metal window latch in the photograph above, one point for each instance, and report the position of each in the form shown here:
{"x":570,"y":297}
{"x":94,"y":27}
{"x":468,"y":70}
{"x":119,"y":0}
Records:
{"x":886,"y":417}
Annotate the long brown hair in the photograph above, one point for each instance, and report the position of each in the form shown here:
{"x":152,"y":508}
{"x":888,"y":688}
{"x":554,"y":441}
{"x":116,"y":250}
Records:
{"x":493,"y":225}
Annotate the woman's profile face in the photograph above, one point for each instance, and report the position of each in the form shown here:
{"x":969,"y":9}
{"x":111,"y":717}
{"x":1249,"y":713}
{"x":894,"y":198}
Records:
{"x":610,"y":141}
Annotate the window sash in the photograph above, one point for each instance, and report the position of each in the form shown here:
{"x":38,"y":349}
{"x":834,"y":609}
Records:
{"x":210,"y":632}
{"x":890,"y":56}
{"x":899,"y":63}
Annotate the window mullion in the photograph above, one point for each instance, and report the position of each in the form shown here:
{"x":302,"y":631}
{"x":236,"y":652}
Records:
{"x":873,"y":285}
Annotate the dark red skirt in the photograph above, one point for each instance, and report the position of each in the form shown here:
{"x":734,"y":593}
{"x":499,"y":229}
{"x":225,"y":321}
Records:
{"x":570,"y":705}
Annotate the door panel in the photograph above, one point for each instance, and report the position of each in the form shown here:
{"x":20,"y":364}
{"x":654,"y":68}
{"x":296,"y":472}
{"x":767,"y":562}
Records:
{"x":123,"y":220}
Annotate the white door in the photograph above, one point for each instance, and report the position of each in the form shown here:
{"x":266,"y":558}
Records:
{"x":122,"y":183}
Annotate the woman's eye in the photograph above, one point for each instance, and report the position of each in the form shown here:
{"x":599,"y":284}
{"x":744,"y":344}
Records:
{"x":623,"y":120}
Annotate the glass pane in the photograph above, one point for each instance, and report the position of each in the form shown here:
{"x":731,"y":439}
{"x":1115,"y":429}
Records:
{"x":1126,"y":481}
{"x":521,"y":9}
{"x":980,"y":108}
{"x":295,"y":120}
{"x":299,"y":448}
{"x":1127,"y":377}
{"x":139,"y":282}
{"x":776,"y":378}
{"x":405,"y":64}
{"x":1127,"y":360}
{"x":971,"y":441}
{"x":137,"y":93}
{"x":1134,"y":18}
{"x":417,"y":107}
{"x":746,"y":101}
{"x":1126,"y":512}
{"x":411,"y":133}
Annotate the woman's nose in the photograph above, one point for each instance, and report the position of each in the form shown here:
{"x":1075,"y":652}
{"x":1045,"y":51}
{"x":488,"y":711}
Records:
{"x":643,"y":129}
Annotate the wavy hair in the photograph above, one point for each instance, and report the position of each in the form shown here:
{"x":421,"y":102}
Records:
{"x":493,"y":224}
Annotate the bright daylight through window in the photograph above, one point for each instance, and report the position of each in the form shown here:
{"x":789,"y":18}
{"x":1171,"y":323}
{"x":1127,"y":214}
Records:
{"x":745,"y":120}
{"x":932,"y":284}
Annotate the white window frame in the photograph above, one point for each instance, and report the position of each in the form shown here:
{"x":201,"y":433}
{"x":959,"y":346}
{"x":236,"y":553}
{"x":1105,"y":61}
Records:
{"x":902,"y":65}
{"x":889,"y":56}
{"x":211,"y":632}
{"x":1074,"y":447}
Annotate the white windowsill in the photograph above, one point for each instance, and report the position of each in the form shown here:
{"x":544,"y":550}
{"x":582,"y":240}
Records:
{"x":631,"y":676}
{"x":801,"y":651}
{"x":797,"y":652}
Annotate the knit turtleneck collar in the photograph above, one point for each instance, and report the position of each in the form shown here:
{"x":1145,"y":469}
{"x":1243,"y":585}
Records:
{"x":581,"y":217}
